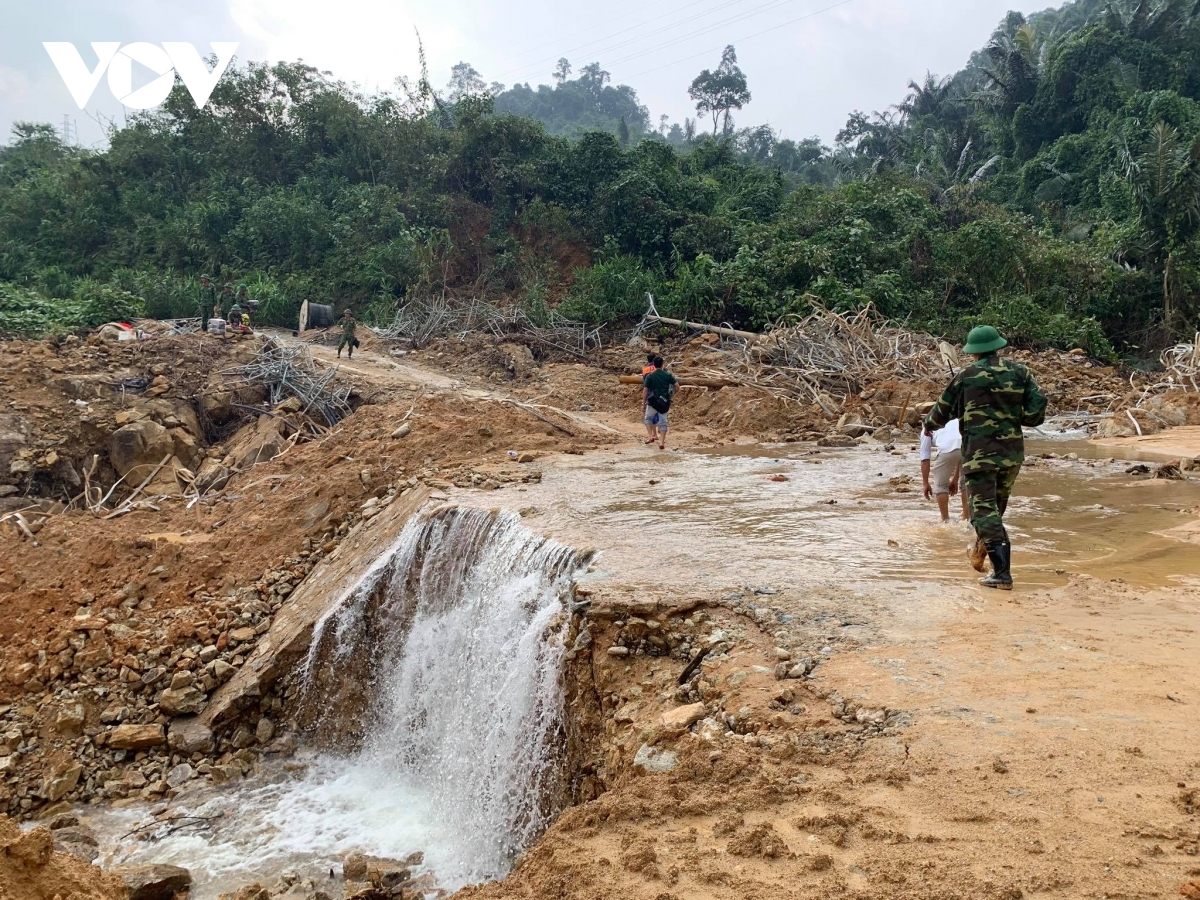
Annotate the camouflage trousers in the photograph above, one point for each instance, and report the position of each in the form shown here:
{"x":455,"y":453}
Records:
{"x":987,"y":499}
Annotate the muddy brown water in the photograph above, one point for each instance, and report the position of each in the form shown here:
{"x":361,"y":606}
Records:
{"x":838,"y":520}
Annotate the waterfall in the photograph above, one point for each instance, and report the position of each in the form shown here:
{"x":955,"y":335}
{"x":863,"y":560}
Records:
{"x":433,"y":699}
{"x":457,"y":643}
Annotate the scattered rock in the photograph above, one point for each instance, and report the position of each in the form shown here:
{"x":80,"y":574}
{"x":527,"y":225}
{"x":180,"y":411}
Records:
{"x":136,"y":737}
{"x":187,"y":735}
{"x":676,"y":721}
{"x":403,"y":431}
{"x":653,"y":761}
{"x":154,"y":882}
{"x":181,"y":701}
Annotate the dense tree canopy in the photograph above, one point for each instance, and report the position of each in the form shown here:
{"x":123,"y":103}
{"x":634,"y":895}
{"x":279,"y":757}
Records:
{"x":1052,"y":187}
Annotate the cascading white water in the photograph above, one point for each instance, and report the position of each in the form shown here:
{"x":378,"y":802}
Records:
{"x":460,"y":633}
{"x":466,"y":678}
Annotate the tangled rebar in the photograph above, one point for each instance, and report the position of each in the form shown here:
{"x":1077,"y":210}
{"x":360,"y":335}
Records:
{"x":289,"y":371}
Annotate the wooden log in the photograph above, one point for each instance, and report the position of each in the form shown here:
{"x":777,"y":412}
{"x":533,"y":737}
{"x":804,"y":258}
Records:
{"x":711,"y":329}
{"x":714,"y":384}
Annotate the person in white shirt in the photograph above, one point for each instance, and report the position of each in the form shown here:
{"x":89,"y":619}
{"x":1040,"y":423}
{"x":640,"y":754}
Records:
{"x":946,"y":467}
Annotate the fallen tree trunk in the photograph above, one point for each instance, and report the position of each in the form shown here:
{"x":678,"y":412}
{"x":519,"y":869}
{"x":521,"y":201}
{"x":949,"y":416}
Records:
{"x":714,"y":384}
{"x":711,"y":329}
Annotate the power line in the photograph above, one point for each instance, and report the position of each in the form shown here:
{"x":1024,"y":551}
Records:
{"x":601,"y":40}
{"x":766,"y":7}
{"x":741,"y":40}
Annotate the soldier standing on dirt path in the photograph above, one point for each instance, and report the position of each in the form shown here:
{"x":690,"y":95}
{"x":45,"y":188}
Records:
{"x":208,"y":298}
{"x":348,"y":326}
{"x":992,"y":398}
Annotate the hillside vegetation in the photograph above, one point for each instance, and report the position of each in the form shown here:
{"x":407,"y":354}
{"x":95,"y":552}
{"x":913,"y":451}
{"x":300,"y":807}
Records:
{"x":1052,"y":187}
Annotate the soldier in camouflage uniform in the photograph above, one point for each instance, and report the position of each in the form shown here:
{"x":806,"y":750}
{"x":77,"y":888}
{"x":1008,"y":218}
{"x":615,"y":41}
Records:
{"x":349,"y":324}
{"x":208,"y":296}
{"x":992,"y":399}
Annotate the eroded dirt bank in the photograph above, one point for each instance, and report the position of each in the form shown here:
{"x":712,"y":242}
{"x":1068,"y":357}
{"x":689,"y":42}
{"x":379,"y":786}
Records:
{"x":866,"y":723}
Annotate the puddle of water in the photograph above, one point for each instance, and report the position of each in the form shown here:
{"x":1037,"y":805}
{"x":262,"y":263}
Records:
{"x":686,"y":518}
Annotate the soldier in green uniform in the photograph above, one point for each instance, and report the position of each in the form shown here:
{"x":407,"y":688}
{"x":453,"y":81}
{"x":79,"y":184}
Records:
{"x":208,"y":297}
{"x":227,"y":296}
{"x":347,"y":341}
{"x":992,"y":399}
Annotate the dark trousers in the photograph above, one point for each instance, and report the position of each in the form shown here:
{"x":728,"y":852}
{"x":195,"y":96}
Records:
{"x":987,"y":499}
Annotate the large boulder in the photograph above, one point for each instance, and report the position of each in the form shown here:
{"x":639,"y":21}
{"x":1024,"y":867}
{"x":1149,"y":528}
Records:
{"x":135,"y":449}
{"x":259,"y":441}
{"x":159,"y":882}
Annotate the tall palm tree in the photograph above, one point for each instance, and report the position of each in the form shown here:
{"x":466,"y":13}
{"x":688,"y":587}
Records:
{"x":1164,"y":176}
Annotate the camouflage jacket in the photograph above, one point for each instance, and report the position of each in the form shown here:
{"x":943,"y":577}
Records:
{"x":992,"y":399}
{"x":208,"y":297}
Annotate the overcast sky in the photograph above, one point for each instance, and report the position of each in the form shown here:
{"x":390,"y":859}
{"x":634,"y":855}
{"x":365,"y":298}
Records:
{"x":809,"y":62}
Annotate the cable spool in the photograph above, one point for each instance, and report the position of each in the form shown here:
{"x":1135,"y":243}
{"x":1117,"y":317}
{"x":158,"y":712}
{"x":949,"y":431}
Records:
{"x":320,"y":316}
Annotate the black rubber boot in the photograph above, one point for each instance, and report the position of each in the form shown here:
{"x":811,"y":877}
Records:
{"x":1000,"y":553}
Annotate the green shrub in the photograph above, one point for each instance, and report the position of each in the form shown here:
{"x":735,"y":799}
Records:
{"x":611,"y":291}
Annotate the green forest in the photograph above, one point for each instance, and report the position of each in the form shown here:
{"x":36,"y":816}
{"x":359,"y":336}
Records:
{"x":1051,"y":187}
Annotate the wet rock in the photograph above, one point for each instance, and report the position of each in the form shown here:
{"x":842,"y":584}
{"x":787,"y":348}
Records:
{"x":354,"y":866}
{"x":136,"y":737}
{"x":264,"y":731}
{"x":242,"y":738}
{"x":55,"y":787}
{"x":253,"y":891}
{"x":225,"y":774}
{"x":154,"y":882}
{"x":63,"y":820}
{"x":180,"y":775}
{"x":181,"y":701}
{"x":654,"y":761}
{"x":78,"y":841}
{"x":187,"y":735}
{"x":836,"y":440}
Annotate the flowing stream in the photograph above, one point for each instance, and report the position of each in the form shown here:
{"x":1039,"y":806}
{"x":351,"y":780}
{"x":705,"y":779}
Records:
{"x":456,"y":640}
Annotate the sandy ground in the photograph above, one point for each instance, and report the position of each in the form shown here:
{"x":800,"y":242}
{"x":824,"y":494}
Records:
{"x":1174,"y":443}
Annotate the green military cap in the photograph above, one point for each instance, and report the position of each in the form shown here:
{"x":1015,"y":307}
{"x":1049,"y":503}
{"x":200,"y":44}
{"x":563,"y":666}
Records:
{"x":241,"y":286}
{"x":205,"y":278}
{"x":984,"y":339}
{"x":227,"y":286}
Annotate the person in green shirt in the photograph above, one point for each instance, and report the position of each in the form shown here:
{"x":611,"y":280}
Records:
{"x":992,"y":398}
{"x":208,"y":298}
{"x":657,"y":390}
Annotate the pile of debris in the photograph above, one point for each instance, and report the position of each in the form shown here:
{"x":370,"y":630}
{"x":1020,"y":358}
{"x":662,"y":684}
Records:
{"x":834,"y":360}
{"x":289,"y":371}
{"x":420,"y":321}
{"x":829,"y":355}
